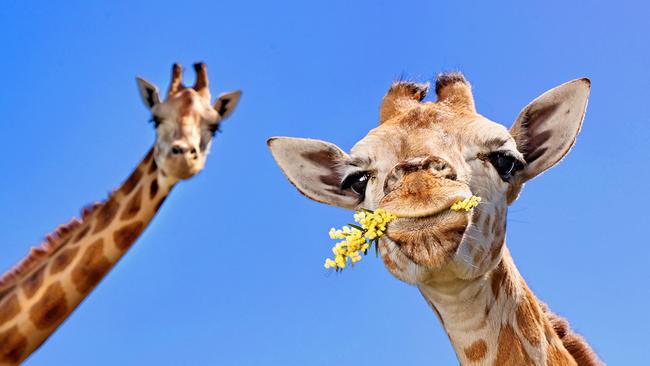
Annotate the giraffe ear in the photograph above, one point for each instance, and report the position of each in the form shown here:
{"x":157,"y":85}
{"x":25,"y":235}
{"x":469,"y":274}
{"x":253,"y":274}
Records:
{"x":148,"y":92}
{"x":547,"y":128}
{"x":314,"y":168}
{"x":226,"y":103}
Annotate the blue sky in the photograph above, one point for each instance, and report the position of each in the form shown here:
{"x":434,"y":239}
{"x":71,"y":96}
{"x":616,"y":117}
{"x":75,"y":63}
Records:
{"x":230,"y":272}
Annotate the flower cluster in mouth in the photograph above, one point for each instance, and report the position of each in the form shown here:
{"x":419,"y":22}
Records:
{"x":467,"y":204}
{"x":357,"y":239}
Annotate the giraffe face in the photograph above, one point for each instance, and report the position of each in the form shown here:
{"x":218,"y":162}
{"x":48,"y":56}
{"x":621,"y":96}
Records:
{"x":423,"y":157}
{"x":417,"y":165}
{"x":185,"y":122}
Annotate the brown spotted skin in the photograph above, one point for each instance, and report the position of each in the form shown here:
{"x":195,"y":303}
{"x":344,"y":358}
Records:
{"x":33,"y":282}
{"x":511,"y":351}
{"x":63,"y":259}
{"x":126,"y":235}
{"x":90,"y":268}
{"x":505,"y":324}
{"x":106,"y":214}
{"x":528,"y":316}
{"x":133,"y":206}
{"x":13,"y":346}
{"x":476,"y":351}
{"x":35,"y":303}
{"x":50,"y":309}
{"x":9,"y":308}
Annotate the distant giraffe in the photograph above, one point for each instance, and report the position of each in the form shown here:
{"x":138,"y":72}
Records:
{"x":423,"y":157}
{"x":46,"y":286}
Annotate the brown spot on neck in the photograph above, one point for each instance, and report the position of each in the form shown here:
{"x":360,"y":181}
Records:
{"x":153,"y":188}
{"x":476,"y":351}
{"x":131,"y":182}
{"x":153,"y":167}
{"x":12,"y":346}
{"x":81,"y":234}
{"x":510,"y":350}
{"x":559,"y":357}
{"x":9,"y":308}
{"x":529,"y":318}
{"x":6,"y":291}
{"x":127,"y":234}
{"x":63,"y":259}
{"x":502,"y":279}
{"x":91,"y":268}
{"x":133,"y":206}
{"x":50,"y":309}
{"x":32,"y":283}
{"x":106,"y":214}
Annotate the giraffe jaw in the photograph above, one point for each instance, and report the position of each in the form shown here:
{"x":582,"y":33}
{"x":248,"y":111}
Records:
{"x":429,"y":241}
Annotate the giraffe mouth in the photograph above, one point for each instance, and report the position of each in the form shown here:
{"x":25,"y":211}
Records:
{"x":429,"y":197}
{"x":429,"y":240}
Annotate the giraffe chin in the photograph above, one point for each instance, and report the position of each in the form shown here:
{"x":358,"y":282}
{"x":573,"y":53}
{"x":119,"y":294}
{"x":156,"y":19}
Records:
{"x":183,"y":170}
{"x":429,"y":241}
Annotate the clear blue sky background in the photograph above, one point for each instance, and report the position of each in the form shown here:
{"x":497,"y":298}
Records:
{"x":230,"y":272}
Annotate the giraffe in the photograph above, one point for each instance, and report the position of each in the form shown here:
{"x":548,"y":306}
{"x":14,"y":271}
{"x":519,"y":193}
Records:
{"x":421,"y":158}
{"x":40,"y":292}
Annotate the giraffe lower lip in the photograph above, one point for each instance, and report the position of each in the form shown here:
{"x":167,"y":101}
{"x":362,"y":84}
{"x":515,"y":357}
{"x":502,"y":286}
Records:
{"x":436,"y":207}
{"x":432,"y":223}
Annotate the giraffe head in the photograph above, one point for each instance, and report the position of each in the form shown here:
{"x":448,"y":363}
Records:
{"x":185,"y":121}
{"x":424,"y":156}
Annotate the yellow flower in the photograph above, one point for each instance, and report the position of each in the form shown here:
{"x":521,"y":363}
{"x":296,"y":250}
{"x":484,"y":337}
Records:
{"x":330,"y":263}
{"x":356,"y":239}
{"x":467,"y":204}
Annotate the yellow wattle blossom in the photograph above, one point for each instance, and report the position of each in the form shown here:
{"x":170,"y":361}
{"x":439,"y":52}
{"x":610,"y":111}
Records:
{"x":467,"y":204}
{"x":357,"y":239}
{"x":372,"y":225}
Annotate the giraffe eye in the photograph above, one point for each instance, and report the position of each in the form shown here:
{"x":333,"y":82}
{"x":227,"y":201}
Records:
{"x":505,"y":164}
{"x":357,"y":182}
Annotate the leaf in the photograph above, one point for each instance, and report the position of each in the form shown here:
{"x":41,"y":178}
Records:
{"x":356,"y":227}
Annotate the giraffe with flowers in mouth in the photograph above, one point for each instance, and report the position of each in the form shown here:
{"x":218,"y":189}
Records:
{"x":421,"y":159}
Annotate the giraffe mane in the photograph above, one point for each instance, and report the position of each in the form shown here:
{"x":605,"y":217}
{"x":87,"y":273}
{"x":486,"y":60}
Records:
{"x":574,"y":343}
{"x":54,"y":241}
{"x":50,"y":246}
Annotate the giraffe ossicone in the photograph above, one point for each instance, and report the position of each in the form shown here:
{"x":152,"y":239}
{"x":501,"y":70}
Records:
{"x":423,"y":157}
{"x":39,"y":293}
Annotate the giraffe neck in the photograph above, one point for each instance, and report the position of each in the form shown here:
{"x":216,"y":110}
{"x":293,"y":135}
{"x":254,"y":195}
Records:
{"x":495,"y":319}
{"x":51,"y":282}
